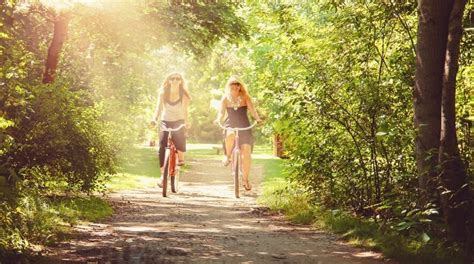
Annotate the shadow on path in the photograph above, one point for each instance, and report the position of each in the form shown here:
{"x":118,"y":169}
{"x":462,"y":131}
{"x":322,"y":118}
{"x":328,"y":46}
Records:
{"x":203,"y":223}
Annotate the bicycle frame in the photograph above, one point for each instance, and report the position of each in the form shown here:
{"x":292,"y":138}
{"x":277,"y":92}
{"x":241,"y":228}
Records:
{"x":170,"y":166}
{"x":236,"y":161}
{"x":173,"y":154}
{"x":171,"y":146}
{"x":236,"y":153}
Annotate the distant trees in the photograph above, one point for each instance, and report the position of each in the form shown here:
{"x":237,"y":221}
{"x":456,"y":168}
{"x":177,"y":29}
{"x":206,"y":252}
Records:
{"x":73,"y":87}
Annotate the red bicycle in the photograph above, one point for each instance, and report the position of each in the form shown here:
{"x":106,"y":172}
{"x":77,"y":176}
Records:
{"x":171,"y":168}
{"x":236,"y":168}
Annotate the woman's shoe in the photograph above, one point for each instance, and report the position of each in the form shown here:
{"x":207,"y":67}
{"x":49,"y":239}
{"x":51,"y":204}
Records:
{"x":181,"y":163}
{"x":247,"y":186}
{"x":160,"y":183}
{"x":226,"y":161}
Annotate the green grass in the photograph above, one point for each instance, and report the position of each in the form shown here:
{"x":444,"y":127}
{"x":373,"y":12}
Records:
{"x":139,"y":167}
{"x":204,"y":151}
{"x":288,"y":198}
{"x":278,"y":194}
{"x":368,"y":234}
{"x":93,"y":209}
{"x":34,"y":221}
{"x":274,"y":177}
{"x":41,"y":220}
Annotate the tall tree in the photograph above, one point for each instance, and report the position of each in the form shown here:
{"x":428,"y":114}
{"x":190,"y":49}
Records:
{"x":439,"y":36}
{"x":59,"y":36}
{"x":455,"y":196}
{"x":431,"y":49}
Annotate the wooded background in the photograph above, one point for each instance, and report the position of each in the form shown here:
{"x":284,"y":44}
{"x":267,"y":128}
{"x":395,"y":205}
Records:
{"x":373,"y":100}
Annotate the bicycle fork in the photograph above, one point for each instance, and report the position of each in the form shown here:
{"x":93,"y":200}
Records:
{"x":236,"y":154}
{"x":173,"y":154}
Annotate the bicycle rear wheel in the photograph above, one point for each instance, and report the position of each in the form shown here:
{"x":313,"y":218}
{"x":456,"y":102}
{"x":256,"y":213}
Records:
{"x":166,"y":172}
{"x":236,"y":172}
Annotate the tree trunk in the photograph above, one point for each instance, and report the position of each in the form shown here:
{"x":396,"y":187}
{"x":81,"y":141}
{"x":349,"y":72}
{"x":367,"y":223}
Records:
{"x":431,"y":52}
{"x":455,"y":195}
{"x":278,"y":146}
{"x":60,"y":31}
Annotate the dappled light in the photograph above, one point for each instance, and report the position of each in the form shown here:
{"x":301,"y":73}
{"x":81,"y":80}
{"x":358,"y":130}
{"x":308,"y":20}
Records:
{"x":65,"y":5}
{"x":203,"y":221}
{"x":355,"y":124}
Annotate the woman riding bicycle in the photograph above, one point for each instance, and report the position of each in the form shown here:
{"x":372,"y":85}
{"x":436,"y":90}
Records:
{"x":172,"y":109}
{"x":235,"y":103}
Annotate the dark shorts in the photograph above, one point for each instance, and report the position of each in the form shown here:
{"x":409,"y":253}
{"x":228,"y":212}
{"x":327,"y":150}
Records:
{"x":178,"y":137}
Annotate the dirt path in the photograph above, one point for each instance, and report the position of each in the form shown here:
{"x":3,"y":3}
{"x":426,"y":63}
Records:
{"x":202,"y":224}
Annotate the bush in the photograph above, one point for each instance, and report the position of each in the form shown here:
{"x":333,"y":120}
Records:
{"x":60,"y":140}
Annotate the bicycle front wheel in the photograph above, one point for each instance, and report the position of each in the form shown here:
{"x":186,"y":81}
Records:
{"x":236,"y":172}
{"x":175,"y":178}
{"x":166,"y":172}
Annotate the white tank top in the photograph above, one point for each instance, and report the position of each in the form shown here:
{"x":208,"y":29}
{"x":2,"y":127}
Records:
{"x":173,"y":111}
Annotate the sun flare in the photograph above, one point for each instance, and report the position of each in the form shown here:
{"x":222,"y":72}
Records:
{"x":68,"y":4}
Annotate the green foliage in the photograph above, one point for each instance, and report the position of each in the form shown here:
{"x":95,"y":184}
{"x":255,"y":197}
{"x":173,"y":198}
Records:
{"x":30,"y":220}
{"x":198,"y":25}
{"x":337,"y":79}
{"x":66,"y":136}
{"x":278,"y":193}
{"x":60,"y":138}
{"x":414,"y":246}
{"x":465,"y":95}
{"x":341,"y":98}
{"x":413,"y":249}
{"x":334,"y":79}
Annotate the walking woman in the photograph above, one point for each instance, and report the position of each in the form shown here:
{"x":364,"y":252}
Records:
{"x":172,"y":111}
{"x":234,"y":106}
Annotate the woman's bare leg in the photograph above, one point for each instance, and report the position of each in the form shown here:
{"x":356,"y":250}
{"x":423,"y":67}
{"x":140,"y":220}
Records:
{"x":180,"y":155}
{"x":246,"y":150}
{"x":229,"y":142}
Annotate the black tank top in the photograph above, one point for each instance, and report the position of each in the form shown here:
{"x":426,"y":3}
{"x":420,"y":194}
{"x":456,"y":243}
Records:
{"x":237,"y":118}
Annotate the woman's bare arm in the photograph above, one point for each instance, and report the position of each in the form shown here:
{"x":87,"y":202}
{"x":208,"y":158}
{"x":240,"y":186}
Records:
{"x":159,"y":107}
{"x":252,"y":110}
{"x":221,"y":112}
{"x":186,"y":102}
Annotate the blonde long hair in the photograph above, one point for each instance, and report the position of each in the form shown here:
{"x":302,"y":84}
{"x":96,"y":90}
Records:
{"x":243,"y":90}
{"x":165,"y":87}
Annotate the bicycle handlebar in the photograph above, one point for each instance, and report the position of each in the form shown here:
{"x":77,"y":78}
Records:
{"x":172,"y":129}
{"x":236,"y":128}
